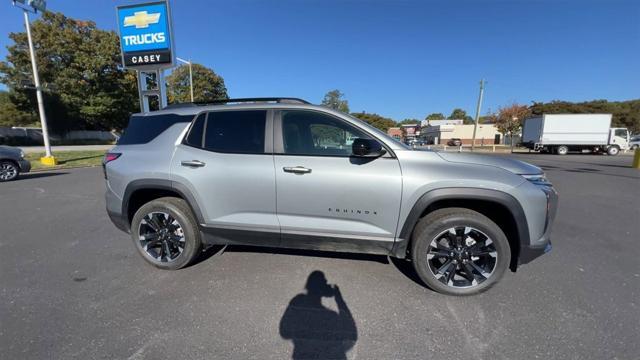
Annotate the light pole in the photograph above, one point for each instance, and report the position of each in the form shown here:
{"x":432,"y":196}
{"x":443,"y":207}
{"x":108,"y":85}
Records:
{"x":475,"y":123}
{"x":190,"y":74}
{"x":48,"y":159}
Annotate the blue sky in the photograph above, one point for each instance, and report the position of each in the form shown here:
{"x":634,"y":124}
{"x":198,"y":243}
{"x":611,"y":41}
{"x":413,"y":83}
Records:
{"x":402,"y":59}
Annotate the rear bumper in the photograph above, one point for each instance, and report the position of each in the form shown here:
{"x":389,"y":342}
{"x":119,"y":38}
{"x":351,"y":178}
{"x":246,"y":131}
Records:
{"x":114,"y":210}
{"x":24,"y":165}
{"x":543,"y":245}
{"x":119,"y":221}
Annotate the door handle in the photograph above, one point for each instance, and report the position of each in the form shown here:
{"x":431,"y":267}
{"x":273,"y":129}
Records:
{"x":192,"y":163}
{"x":297,"y":170}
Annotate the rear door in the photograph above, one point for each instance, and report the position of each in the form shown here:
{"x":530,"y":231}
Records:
{"x":327,"y":199}
{"x":226,"y":162}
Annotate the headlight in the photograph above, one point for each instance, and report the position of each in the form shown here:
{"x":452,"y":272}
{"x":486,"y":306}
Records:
{"x":22,"y":154}
{"x":538,"y":179}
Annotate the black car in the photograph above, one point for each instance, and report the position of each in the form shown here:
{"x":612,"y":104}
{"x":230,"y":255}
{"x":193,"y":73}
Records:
{"x":12,"y":163}
{"x":454,"y":142}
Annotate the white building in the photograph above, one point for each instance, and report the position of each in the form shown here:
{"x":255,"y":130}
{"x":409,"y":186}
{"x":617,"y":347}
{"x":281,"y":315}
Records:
{"x":486,"y":134}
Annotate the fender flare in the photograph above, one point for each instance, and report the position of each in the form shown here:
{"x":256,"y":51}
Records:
{"x":160,"y":184}
{"x":461,"y":193}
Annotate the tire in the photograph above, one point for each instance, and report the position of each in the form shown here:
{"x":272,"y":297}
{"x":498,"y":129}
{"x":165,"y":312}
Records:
{"x":562,"y":150}
{"x":492,"y":259}
{"x":8,"y":171}
{"x":173,"y":239}
{"x":634,"y":147}
{"x":613,"y":150}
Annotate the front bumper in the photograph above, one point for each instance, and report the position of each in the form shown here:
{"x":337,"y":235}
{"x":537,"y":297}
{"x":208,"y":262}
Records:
{"x":543,"y":245}
{"x":24,"y":165}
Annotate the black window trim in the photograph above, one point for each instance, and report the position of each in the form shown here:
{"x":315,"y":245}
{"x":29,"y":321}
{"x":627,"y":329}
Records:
{"x":278,"y":141}
{"x":268,"y":132}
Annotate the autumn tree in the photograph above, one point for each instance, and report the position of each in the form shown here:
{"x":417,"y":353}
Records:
{"x":375,"y":120}
{"x":510,"y":118}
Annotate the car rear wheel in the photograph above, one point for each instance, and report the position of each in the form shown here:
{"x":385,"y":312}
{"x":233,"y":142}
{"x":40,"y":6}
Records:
{"x":8,"y":171}
{"x":458,"y":251}
{"x":165,"y":232}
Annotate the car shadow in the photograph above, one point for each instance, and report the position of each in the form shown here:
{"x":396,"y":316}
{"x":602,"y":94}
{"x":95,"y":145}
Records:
{"x":36,"y":175}
{"x":311,"y":253}
{"x":316,"y":331}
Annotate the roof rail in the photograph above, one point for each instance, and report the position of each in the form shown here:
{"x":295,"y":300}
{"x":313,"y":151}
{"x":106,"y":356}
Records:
{"x":279,"y":100}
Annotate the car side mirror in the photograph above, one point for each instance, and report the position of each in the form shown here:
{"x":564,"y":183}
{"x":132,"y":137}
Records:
{"x":367,"y":148}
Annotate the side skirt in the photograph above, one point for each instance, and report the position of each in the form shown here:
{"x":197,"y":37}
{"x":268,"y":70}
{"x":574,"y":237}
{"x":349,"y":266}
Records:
{"x":299,"y":240}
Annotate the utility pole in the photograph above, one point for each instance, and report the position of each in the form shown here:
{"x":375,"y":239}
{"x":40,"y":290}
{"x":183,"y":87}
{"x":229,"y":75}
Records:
{"x":475,"y":125}
{"x":48,"y":159}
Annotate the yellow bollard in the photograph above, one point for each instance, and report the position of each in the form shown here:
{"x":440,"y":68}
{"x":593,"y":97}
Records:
{"x":636,"y":159}
{"x":49,"y":160}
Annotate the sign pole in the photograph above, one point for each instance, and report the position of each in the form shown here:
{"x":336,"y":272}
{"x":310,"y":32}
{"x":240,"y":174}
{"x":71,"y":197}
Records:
{"x":48,"y":159}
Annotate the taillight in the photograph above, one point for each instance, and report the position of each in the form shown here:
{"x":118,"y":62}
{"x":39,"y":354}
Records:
{"x":108,"y":157}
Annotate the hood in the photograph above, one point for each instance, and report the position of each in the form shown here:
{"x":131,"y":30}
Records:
{"x":514,"y":166}
{"x":9,"y":150}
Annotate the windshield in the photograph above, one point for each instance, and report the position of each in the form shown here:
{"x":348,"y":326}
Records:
{"x":381,"y":133}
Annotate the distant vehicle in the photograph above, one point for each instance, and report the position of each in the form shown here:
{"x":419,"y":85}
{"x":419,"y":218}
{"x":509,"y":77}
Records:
{"x":634,"y":142}
{"x":562,"y":133}
{"x":12,"y":163}
{"x":454,"y":142}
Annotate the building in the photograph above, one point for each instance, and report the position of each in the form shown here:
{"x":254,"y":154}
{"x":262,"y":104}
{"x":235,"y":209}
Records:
{"x":410,"y":131}
{"x":425,"y":123}
{"x":395,"y":132}
{"x":486,"y":134}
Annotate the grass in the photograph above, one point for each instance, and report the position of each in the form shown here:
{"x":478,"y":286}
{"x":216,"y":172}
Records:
{"x":67,"y":159}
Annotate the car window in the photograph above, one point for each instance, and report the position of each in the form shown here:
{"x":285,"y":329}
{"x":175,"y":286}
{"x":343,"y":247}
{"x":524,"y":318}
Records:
{"x":195,"y":138}
{"x":235,"y":131}
{"x":314,"y":133}
{"x":144,"y":128}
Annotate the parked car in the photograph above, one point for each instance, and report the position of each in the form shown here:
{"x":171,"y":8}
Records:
{"x":634,"y":142}
{"x":182,"y":177}
{"x":454,"y":142}
{"x":12,"y":163}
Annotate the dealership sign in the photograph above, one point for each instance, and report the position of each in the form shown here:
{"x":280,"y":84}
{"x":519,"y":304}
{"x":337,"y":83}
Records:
{"x":145,"y":35}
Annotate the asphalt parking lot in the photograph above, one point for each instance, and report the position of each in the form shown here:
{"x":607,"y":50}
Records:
{"x":73,"y":287}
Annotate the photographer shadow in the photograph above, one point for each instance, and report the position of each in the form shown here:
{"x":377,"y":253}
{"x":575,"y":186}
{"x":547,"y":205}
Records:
{"x":316,"y":331}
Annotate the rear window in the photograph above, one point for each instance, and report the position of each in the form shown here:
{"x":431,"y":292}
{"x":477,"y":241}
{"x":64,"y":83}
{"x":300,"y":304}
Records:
{"x":142,"y":129}
{"x":235,"y":131}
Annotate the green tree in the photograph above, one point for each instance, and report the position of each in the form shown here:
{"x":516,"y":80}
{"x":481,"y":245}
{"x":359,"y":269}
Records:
{"x":334,"y":99}
{"x":207,"y":85}
{"x":510,"y":118}
{"x":625,"y":113}
{"x":435,"y":116}
{"x":80,"y":65}
{"x":375,"y":120}
{"x":10,"y":115}
{"x":409,"y":121}
{"x":459,"y":114}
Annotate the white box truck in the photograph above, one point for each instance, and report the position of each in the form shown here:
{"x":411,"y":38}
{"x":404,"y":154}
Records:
{"x":561,"y":133}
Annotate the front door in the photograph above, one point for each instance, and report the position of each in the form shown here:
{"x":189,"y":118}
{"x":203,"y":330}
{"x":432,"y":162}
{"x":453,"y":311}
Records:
{"x":326,"y":198}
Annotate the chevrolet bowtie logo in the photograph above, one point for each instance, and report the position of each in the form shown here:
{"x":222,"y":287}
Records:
{"x":141,"y":19}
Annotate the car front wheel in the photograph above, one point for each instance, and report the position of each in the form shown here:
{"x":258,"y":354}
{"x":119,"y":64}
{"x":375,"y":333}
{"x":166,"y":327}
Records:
{"x":165,"y":232}
{"x":8,"y":171}
{"x":458,"y":251}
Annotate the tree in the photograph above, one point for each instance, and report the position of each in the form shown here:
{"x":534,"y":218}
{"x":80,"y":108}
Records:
{"x":375,"y":120}
{"x":409,"y":121}
{"x":207,"y":85}
{"x":80,"y":65}
{"x":11,"y":116}
{"x":334,"y":99}
{"x":509,"y":119}
{"x":435,"y":116}
{"x":625,"y":113}
{"x":459,"y":114}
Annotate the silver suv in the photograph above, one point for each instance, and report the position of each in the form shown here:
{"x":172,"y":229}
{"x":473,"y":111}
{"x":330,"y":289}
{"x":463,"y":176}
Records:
{"x":281,"y":172}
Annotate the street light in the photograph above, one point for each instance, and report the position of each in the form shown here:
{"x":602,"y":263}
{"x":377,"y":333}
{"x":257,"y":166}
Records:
{"x":34,"y":6}
{"x":190,"y":74}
